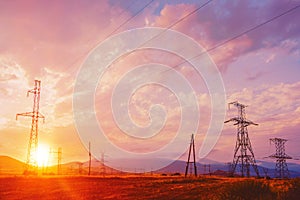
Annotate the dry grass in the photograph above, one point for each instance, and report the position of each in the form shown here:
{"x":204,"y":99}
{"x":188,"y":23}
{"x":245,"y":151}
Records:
{"x":146,"y":188}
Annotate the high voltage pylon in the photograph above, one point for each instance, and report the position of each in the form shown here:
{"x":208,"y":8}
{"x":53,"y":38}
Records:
{"x":281,"y":169}
{"x":243,"y":153}
{"x":191,"y":149}
{"x":59,"y":158}
{"x":31,"y":161}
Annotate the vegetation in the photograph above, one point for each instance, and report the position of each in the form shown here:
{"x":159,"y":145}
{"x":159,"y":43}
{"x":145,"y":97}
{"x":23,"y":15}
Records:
{"x":249,"y":189}
{"x":146,"y":187}
{"x":262,"y":189}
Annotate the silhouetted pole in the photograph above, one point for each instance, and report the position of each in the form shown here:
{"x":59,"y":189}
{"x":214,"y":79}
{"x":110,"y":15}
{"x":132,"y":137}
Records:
{"x":103,"y":170}
{"x":191,"y":149}
{"x":90,"y":158}
{"x":59,"y":157}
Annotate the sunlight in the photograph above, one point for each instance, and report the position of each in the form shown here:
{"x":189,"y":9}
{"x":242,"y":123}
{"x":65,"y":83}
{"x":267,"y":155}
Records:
{"x":42,"y":155}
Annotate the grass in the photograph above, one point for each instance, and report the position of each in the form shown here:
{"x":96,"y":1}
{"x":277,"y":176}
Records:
{"x":262,"y":190}
{"x":85,"y":188}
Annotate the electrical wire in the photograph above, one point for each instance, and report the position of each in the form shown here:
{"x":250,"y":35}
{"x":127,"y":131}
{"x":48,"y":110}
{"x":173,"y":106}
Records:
{"x":228,"y":40}
{"x":111,"y":33}
{"x":240,"y":34}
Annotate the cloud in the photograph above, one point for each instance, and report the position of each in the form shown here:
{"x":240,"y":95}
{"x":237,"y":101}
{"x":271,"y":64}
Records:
{"x":54,"y":34}
{"x":274,"y":107}
{"x":220,"y":21}
{"x":270,"y":58}
{"x":256,"y":75}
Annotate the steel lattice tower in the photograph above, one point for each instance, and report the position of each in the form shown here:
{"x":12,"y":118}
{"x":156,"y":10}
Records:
{"x":31,"y":162}
{"x":59,"y":158}
{"x":243,"y":153}
{"x":192,"y":148}
{"x":281,"y":169}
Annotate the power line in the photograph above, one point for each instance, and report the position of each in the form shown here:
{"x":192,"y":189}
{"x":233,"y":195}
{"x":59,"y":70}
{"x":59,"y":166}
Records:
{"x":137,"y":13}
{"x":240,"y":34}
{"x":170,"y":26}
{"x":226,"y":41}
{"x":128,"y":20}
{"x":114,"y":31}
{"x":177,"y":22}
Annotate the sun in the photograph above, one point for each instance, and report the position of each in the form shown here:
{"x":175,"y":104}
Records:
{"x":42,"y":155}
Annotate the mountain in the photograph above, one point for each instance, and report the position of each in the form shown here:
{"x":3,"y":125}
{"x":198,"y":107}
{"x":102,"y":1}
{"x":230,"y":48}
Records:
{"x":10,"y":165}
{"x":207,"y":166}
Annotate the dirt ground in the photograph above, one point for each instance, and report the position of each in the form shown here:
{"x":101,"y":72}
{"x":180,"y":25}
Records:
{"x":77,"y":188}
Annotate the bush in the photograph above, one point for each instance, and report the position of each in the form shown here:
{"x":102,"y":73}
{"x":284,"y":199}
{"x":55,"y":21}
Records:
{"x":249,"y":189}
{"x":294,"y":190}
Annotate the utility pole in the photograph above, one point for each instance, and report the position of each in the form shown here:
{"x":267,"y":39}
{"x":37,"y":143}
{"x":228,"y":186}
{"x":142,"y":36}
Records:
{"x":59,"y":157}
{"x":90,"y":159}
{"x":103,"y":170}
{"x":243,"y":153}
{"x":281,"y":169}
{"x":192,"y":148}
{"x":80,"y":167}
{"x":31,"y":166}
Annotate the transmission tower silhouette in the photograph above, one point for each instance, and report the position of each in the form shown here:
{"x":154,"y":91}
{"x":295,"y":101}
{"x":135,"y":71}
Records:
{"x":191,"y":149}
{"x":281,"y":169}
{"x":59,"y":158}
{"x":243,"y":153}
{"x":31,"y":166}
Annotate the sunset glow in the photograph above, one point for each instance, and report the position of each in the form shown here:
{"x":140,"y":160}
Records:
{"x":43,"y":155}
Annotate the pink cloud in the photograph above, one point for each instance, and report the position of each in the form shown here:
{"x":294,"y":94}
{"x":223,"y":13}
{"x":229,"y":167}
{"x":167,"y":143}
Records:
{"x":221,"y":21}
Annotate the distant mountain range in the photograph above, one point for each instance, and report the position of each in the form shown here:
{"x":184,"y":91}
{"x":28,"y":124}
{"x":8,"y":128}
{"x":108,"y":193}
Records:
{"x":203,"y":166}
{"x":11,"y":166}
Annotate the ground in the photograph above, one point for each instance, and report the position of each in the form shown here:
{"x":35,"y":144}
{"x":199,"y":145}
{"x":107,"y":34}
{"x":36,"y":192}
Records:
{"x":142,"y":187}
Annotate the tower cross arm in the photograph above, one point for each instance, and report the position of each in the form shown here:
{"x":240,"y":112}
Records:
{"x":240,"y":120}
{"x":280,"y":156}
{"x":251,"y":123}
{"x":41,"y":116}
{"x":232,"y":119}
{"x":30,"y":114}
{"x":26,"y":114}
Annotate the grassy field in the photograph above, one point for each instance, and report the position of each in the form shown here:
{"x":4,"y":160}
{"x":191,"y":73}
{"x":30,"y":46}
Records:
{"x":146,"y":188}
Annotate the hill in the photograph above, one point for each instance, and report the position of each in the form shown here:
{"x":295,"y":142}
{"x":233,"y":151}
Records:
{"x":10,"y":165}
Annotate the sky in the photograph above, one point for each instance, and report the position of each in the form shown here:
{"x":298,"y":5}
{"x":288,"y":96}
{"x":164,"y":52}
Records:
{"x":52,"y":40}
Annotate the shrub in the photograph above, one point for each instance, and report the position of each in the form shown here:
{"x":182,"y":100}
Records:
{"x":294,"y":190}
{"x":249,"y":189}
